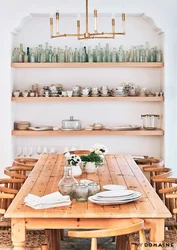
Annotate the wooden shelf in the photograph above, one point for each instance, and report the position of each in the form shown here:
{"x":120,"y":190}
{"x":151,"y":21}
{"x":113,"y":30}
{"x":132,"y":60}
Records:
{"x":140,"y":132}
{"x":87,"y":99}
{"x":90,"y":65}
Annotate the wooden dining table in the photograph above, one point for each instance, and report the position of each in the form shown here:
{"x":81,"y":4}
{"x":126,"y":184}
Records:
{"x":117,"y":169}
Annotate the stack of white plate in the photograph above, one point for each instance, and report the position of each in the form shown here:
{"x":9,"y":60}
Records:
{"x":115,"y":197}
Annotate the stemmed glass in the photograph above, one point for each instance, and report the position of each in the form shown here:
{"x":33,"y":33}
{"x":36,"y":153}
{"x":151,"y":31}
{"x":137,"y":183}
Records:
{"x":25,"y":151}
{"x":30,"y":151}
{"x":19,"y":151}
{"x":39,"y":150}
{"x":53,"y":150}
{"x":45,"y":150}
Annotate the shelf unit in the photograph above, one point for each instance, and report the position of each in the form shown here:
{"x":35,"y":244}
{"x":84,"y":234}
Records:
{"x":88,"y":99}
{"x":141,"y":132}
{"x":90,"y":65}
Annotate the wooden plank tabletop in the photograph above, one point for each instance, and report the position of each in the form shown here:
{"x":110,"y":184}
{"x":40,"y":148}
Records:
{"x":118,"y":169}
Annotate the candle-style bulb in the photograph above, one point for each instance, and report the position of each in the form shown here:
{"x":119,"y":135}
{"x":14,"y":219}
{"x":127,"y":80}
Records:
{"x":113,"y":16}
{"x":78,"y":17}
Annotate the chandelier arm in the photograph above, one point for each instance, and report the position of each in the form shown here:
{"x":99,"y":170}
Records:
{"x":65,"y":35}
{"x":95,"y":37}
{"x":107,"y":33}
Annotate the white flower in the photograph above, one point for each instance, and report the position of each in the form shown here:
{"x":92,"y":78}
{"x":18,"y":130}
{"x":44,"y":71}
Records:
{"x":67,"y":155}
{"x":73,"y":159}
{"x":99,"y":149}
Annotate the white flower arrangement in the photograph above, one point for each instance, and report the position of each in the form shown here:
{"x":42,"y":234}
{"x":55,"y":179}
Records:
{"x":99,"y":149}
{"x":73,"y":159}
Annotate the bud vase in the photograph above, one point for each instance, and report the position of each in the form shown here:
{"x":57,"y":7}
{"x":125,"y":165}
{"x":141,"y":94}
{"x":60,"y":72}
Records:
{"x":76,"y":171}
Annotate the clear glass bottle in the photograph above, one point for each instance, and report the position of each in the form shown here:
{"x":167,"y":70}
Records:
{"x":14,"y":56}
{"x":25,"y":58}
{"x":66,"y":54}
{"x":62,"y":56}
{"x":76,"y":55}
{"x":21,"y":53}
{"x":152,"y":55}
{"x":159,"y":56}
{"x":67,"y":179}
{"x":50,"y":54}
{"x":54,"y":56}
{"x":138,"y":53}
{"x":114,"y":55}
{"x":147,"y":53}
{"x":32,"y":58}
{"x":47,"y":52}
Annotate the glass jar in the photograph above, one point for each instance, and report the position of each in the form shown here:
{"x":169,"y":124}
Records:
{"x":67,"y":182}
{"x":150,"y":121}
{"x":93,"y":188}
{"x":81,"y":192}
{"x":71,"y":124}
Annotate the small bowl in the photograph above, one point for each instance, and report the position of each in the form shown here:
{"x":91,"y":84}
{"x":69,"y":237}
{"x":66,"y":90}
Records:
{"x":88,"y":128}
{"x":97,"y":127}
{"x":56,"y":128}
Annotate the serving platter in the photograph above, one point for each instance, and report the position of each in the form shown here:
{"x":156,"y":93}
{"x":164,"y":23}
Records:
{"x":40,"y":128}
{"x":127,"y":127}
{"x":117,"y":201}
{"x":114,"y":187}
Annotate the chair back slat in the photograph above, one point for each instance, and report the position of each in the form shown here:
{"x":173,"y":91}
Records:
{"x":80,"y":152}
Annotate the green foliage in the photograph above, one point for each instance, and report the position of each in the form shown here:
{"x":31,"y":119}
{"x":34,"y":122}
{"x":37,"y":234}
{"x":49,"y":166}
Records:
{"x":92,"y":157}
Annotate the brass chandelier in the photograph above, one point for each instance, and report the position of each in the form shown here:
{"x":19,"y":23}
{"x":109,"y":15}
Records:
{"x":87,"y":34}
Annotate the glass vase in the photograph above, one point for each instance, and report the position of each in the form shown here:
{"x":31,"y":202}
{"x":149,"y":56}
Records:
{"x":67,"y":180}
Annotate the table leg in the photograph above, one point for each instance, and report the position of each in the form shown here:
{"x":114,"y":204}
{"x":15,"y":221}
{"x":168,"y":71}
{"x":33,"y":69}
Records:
{"x":156,"y":232}
{"x":18,"y":234}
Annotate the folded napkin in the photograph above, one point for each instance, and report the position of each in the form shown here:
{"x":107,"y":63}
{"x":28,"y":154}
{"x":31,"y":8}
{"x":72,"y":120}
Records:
{"x":47,"y":201}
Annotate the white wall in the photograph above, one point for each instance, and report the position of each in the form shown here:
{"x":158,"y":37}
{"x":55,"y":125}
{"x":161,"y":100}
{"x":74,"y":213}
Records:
{"x":11,"y":13}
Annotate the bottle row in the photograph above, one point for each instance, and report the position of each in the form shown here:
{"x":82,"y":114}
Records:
{"x":140,"y":53}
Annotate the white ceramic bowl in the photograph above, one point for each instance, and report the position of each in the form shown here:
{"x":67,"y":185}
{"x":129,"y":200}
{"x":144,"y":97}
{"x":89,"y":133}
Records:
{"x":56,"y":128}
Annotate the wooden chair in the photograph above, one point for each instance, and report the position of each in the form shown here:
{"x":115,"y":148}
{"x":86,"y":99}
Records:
{"x":24,"y":162}
{"x":168,"y":195}
{"x":9,"y":187}
{"x":80,"y":152}
{"x":149,"y":161}
{"x":135,"y":225}
{"x":36,"y":240}
{"x":155,"y":173}
{"x":17,"y":173}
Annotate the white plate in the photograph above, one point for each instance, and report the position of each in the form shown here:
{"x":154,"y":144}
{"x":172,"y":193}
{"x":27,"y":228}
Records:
{"x":113,"y":199}
{"x":114,"y":194}
{"x":114,"y":187}
{"x":114,"y":202}
{"x":40,"y":128}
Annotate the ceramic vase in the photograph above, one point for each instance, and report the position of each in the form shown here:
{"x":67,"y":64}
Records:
{"x":90,"y":167}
